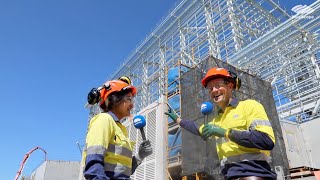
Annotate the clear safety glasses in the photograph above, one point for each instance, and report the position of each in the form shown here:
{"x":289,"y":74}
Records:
{"x":216,"y":85}
{"x":129,"y":98}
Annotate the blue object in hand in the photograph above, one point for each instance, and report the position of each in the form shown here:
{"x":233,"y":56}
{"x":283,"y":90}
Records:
{"x":206,"y":108}
{"x":139,"y":121}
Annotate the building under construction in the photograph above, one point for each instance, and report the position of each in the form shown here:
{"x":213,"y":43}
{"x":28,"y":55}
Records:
{"x":263,"y":42}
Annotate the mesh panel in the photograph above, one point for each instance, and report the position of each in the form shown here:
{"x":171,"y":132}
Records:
{"x":139,"y":173}
{"x":150,"y":169}
{"x":193,"y":94}
{"x":151,"y":131}
{"x":155,"y":133}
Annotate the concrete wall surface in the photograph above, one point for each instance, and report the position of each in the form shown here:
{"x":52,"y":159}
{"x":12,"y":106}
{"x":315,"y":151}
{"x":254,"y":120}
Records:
{"x":57,"y":170}
{"x":302,"y":143}
{"x":310,"y":130}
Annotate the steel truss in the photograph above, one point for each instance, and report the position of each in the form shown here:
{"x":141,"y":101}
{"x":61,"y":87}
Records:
{"x":254,"y":35}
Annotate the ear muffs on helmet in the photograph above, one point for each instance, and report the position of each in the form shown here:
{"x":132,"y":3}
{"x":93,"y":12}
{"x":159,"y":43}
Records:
{"x":101,"y":93}
{"x":94,"y":95}
{"x":125,"y":79}
{"x":236,"y":79}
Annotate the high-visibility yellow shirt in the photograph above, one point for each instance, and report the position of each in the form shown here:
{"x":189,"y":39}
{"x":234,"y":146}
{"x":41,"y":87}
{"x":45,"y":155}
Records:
{"x":108,"y":139}
{"x":245,"y":116}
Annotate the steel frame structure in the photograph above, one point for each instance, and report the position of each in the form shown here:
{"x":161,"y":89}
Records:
{"x":287,"y":56}
{"x":254,"y":35}
{"x":193,"y":30}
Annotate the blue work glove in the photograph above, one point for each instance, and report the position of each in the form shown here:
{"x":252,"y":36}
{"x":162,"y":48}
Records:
{"x":172,"y":115}
{"x":145,"y":150}
{"x":212,"y":130}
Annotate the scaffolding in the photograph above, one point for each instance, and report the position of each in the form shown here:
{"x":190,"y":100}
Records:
{"x":192,"y":31}
{"x":287,"y":56}
{"x":254,"y":35}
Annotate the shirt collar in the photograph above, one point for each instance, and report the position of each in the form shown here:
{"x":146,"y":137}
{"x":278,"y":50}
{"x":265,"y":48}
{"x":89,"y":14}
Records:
{"x":113,"y":116}
{"x":234,"y":103}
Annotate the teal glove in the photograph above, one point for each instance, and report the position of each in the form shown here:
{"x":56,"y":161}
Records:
{"x":212,"y":130}
{"x":172,"y":115}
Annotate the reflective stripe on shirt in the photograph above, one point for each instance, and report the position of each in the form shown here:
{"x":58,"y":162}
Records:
{"x":107,"y":144}
{"x":98,"y":149}
{"x":221,"y":140}
{"x":116,"y":149}
{"x":245,"y":157}
{"x":117,"y":168}
{"x":259,"y":122}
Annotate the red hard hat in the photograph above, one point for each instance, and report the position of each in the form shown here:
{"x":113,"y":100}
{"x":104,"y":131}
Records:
{"x":115,"y":86}
{"x":215,"y":73}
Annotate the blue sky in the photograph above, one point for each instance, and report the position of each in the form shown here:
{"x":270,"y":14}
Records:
{"x":51,"y":54}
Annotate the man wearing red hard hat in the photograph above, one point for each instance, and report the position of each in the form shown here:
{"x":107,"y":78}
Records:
{"x":243,"y":133}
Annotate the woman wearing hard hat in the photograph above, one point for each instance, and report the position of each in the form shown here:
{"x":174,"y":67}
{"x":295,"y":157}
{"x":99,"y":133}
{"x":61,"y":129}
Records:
{"x":108,"y":151}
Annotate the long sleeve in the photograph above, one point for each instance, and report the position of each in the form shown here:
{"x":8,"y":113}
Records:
{"x":190,"y":126}
{"x":252,"y":139}
{"x":97,"y":140}
{"x":259,"y":133}
{"x":94,"y":169}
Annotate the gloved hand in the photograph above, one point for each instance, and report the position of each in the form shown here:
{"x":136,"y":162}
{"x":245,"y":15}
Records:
{"x":172,"y":115}
{"x":212,"y":130}
{"x":145,"y":149}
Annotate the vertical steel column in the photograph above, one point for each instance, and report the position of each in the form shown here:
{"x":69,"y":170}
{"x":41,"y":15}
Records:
{"x":317,"y":71}
{"x":237,"y":36}
{"x":214,"y":49}
{"x":145,"y":93}
{"x":182,"y":46}
{"x":162,"y":78}
{"x":186,"y":59}
{"x":315,"y":66}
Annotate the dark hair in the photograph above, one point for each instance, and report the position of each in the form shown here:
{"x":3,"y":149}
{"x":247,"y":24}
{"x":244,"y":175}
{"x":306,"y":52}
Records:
{"x":227,"y":81}
{"x":114,"y":98}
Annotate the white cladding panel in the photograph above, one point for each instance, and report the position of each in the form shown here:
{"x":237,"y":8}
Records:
{"x":310,"y":130}
{"x":302,"y":143}
{"x":154,"y":166}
